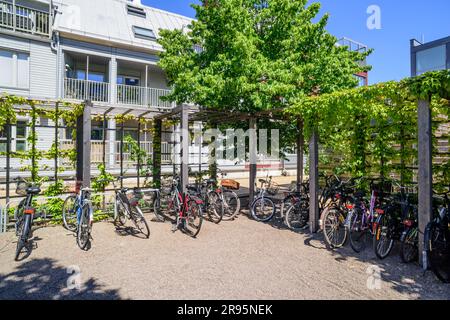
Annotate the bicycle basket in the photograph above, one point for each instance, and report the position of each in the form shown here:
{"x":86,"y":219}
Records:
{"x":273,"y":190}
{"x":21,"y":188}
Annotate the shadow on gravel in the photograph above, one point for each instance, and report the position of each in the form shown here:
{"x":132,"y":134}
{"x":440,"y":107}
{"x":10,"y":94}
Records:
{"x":42,"y":279}
{"x":405,"y":278}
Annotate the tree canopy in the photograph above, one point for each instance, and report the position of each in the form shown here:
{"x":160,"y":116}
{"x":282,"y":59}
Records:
{"x":253,"y":55}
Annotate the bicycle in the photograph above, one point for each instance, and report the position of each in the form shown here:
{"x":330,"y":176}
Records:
{"x":154,"y":202}
{"x":437,"y":241}
{"x":389,"y":226}
{"x":78,"y":216}
{"x":186,"y":208}
{"x":263,"y":208}
{"x":334,"y":216}
{"x":128,"y":209}
{"x":231,"y":201}
{"x":295,"y":207}
{"x":213,"y":202}
{"x":25,"y":214}
{"x":360,"y":220}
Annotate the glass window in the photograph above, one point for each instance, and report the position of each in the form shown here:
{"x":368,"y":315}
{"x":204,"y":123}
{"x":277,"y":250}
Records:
{"x":21,"y":136}
{"x":431,"y":59}
{"x":15,"y":69}
{"x":21,"y":130}
{"x":144,"y":33}
{"x":6,"y":64}
{"x":2,"y":141}
{"x":140,"y":12}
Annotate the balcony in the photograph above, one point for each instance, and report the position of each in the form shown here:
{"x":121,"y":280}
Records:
{"x":141,"y":96}
{"x":76,"y":89}
{"x":95,"y":91}
{"x":24,"y":19}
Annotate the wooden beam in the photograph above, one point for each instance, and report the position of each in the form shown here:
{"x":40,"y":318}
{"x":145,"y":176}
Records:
{"x":84,"y":146}
{"x":314,"y":183}
{"x":425,"y":172}
{"x":157,"y":154}
{"x":253,"y":151}
{"x":184,"y":147}
{"x":300,"y":151}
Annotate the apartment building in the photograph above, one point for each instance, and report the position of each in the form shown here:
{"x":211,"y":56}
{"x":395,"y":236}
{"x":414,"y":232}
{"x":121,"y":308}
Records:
{"x":103,"y":50}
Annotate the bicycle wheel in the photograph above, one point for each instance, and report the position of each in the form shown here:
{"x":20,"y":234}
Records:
{"x":334,"y":230}
{"x":157,"y":209}
{"x":409,"y":245}
{"x":194,"y":219}
{"x":357,"y":232}
{"x":215,"y":209}
{"x":383,"y":240}
{"x":232,"y":205}
{"x":122,"y":213}
{"x":139,"y":221}
{"x":19,"y":217}
{"x":24,"y":235}
{"x":297,"y":216}
{"x":437,"y":239}
{"x":69,"y":213}
{"x":84,"y":228}
{"x":263,"y":209}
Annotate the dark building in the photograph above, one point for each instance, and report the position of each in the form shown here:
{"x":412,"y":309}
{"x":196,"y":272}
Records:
{"x":431,"y":56}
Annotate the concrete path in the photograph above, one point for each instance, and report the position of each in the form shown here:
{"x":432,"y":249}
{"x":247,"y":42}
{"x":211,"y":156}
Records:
{"x":242,"y":259}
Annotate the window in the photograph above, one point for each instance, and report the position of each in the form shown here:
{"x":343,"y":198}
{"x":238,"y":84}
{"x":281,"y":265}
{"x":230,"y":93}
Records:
{"x":21,"y":136}
{"x":144,"y":33}
{"x":140,"y":12}
{"x":129,"y":81}
{"x":3,"y":141}
{"x":431,"y":59}
{"x":361,"y":80}
{"x":16,"y":69}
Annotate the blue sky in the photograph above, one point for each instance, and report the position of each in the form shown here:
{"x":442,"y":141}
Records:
{"x":401,"y":20}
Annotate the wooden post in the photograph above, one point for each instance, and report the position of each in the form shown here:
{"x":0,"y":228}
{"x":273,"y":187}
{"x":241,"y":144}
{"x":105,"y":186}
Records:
{"x":314,"y":183}
{"x":122,"y":133}
{"x":184,"y":148}
{"x":425,"y":173}
{"x":156,"y":174}
{"x":300,"y":146}
{"x":139,"y":154}
{"x":56,"y":140}
{"x":8,"y":161}
{"x":84,"y":146}
{"x":253,"y":150}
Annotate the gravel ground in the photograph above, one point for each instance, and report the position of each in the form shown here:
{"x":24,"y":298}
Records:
{"x":242,"y":259}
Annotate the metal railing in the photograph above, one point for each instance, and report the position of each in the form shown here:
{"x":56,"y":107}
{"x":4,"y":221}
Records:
{"x":134,"y":95}
{"x":23,"y":19}
{"x":86,"y":89}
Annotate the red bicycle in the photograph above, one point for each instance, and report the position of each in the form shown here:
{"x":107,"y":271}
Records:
{"x":186,"y":208}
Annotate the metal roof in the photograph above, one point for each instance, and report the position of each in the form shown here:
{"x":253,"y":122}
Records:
{"x":108,"y":20}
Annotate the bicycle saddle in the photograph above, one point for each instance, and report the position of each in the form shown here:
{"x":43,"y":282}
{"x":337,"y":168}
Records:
{"x":34,"y":190}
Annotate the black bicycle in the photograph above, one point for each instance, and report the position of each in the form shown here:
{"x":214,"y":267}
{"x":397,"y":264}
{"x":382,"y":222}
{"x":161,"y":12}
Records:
{"x":437,"y":241}
{"x":25,"y":215}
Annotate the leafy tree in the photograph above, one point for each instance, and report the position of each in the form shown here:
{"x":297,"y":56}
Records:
{"x":253,"y":55}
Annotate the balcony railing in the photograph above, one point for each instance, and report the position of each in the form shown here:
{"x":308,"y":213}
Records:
{"x":133,"y":95}
{"x":85,"y":89}
{"x":127,"y":95}
{"x":23,"y":19}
